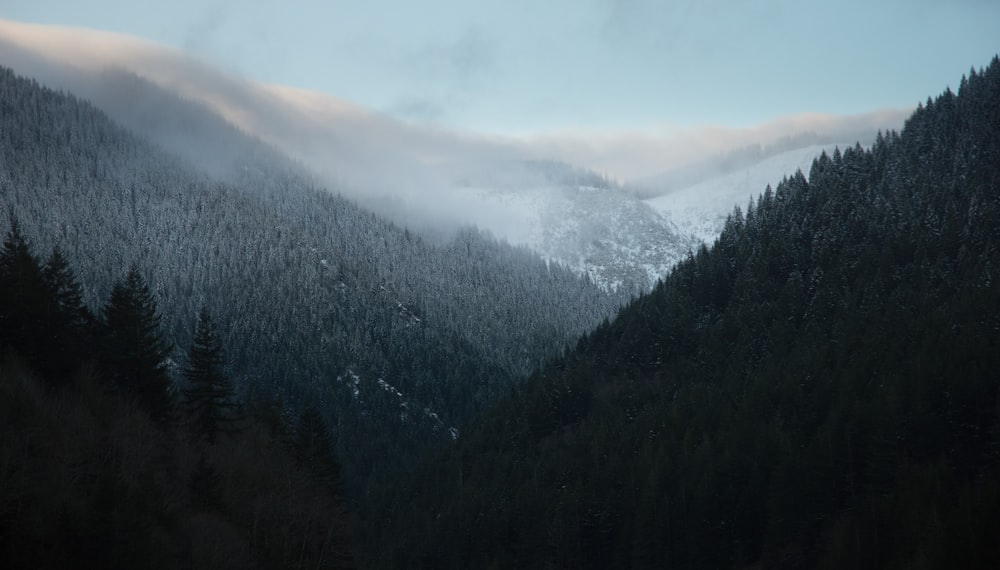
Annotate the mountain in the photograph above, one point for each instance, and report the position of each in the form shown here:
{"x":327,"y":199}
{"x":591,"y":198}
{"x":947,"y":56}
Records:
{"x":397,"y":339}
{"x":611,"y":236}
{"x":817,"y":389}
{"x":432,"y":181}
{"x":583,"y":221}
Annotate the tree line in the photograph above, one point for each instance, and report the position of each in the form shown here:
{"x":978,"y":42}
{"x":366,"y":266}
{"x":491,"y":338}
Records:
{"x":43,"y":318}
{"x":117,"y":456}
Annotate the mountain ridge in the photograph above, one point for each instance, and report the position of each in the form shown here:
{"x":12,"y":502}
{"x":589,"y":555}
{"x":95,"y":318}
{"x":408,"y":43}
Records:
{"x":817,"y":389}
{"x":304,"y":284}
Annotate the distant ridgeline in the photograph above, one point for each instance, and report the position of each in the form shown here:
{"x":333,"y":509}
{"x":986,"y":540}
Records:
{"x":396,"y":341}
{"x":817,"y":390}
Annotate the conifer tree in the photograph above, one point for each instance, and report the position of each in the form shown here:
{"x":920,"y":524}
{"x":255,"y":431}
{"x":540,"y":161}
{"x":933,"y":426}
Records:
{"x":135,"y":352}
{"x":66,"y":292}
{"x":208,"y":394}
{"x":22,"y":300}
{"x":70,"y":322}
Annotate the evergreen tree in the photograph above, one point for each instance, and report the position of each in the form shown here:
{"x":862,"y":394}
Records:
{"x":66,"y":292}
{"x":42,"y":315}
{"x":134,"y":349}
{"x":70,"y":321}
{"x":22,"y":300}
{"x":208,"y":394}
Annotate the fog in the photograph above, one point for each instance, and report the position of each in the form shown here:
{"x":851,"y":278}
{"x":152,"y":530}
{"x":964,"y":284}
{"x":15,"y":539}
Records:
{"x":416,"y":174}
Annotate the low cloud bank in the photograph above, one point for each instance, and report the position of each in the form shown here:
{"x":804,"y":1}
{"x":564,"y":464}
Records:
{"x":412,"y":173}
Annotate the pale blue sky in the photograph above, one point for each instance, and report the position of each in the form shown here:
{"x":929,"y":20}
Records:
{"x":533,"y":66}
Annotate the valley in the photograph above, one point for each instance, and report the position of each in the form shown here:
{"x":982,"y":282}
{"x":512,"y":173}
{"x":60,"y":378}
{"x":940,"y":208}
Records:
{"x":249,"y":326}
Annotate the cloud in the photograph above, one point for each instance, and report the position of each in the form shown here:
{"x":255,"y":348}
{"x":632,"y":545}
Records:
{"x":207,"y":26}
{"x":446,"y":76}
{"x":469,"y":57}
{"x":639,"y":155}
{"x":695,"y":24}
{"x":408,"y":170}
{"x":420,"y":110}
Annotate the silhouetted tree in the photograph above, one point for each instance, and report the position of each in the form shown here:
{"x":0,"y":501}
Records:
{"x":70,"y":322}
{"x":208,"y":393}
{"x":22,"y":299}
{"x":135,"y":352}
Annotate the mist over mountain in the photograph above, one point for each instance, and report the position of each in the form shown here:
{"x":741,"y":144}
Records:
{"x":701,"y":208}
{"x":687,"y":175}
{"x":246,"y":325}
{"x":318,"y":300}
{"x":417,"y":175}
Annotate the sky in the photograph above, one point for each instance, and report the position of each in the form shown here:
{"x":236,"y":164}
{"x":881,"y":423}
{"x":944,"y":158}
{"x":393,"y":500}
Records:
{"x":531,"y":68}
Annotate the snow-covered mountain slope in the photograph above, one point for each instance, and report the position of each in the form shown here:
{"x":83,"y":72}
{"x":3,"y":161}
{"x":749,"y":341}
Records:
{"x":700,"y":210}
{"x":601,"y":231}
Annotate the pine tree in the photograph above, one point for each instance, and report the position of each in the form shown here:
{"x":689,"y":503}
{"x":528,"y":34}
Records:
{"x":70,"y":321}
{"x":135,"y":352}
{"x":42,"y":315}
{"x":208,"y":394}
{"x":22,"y":300}
{"x":66,"y":292}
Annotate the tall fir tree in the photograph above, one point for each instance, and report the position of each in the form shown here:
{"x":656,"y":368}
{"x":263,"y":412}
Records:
{"x":22,"y":299}
{"x":208,"y":393}
{"x":66,"y":292}
{"x":70,"y":322}
{"x":135,"y":351}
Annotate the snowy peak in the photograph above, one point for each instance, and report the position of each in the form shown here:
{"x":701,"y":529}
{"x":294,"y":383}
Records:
{"x":604,"y":232}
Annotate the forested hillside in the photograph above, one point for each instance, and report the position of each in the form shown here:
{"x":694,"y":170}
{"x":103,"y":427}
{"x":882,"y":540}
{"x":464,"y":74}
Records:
{"x":106,"y":462}
{"x":820,"y":389}
{"x":395,"y":340}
